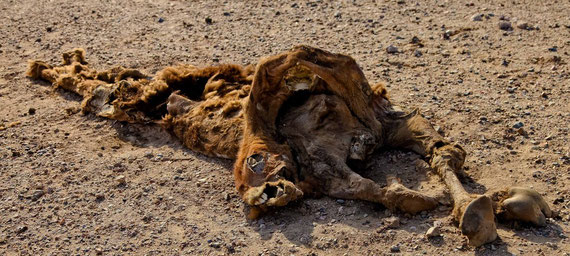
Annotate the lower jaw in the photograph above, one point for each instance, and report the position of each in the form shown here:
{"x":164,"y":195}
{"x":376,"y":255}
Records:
{"x":277,"y":193}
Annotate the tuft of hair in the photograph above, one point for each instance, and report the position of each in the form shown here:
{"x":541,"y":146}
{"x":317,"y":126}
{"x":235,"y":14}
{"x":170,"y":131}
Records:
{"x":380,"y":90}
{"x":75,"y":55}
{"x":35,"y":68}
{"x":130,"y":73}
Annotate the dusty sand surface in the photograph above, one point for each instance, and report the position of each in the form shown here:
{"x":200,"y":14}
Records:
{"x":59,"y":193}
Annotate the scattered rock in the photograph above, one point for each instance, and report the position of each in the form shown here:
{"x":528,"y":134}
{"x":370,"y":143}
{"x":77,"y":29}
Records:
{"x":337,"y":15}
{"x":392,"y":49}
{"x":417,"y":53}
{"x":518,"y":125}
{"x":416,"y":40}
{"x":392,"y":222}
{"x":505,"y":25}
{"x":209,"y":20}
{"x":340,"y":201}
{"x":447,"y":34}
{"x":522,"y":132}
{"x":99,"y":198}
{"x":21,"y":229}
{"x":37,"y":194}
{"x":160,"y":20}
{"x":215,"y":245}
{"x":477,"y":17}
{"x":395,"y":248}
{"x":121,"y":180}
{"x":32,"y":111}
{"x":523,"y":25}
{"x":433,"y":232}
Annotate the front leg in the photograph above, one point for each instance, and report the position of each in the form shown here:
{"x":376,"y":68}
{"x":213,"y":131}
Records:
{"x":413,"y":132}
{"x":351,"y":185}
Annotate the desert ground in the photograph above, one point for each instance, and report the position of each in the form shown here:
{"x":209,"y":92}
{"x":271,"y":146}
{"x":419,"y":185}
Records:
{"x":492,"y":76}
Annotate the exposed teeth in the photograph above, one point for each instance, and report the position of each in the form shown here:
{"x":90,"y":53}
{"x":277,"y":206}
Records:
{"x":261,"y":200}
{"x":279,"y":192}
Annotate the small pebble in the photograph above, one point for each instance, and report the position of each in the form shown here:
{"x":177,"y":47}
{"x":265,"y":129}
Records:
{"x":392,"y":49}
{"x":447,"y":34}
{"x":522,"y":25}
{"x":121,"y":179}
{"x":433,"y":232}
{"x":417,"y":53}
{"x":477,"y":17}
{"x":37,"y":194}
{"x":32,"y":111}
{"x":392,"y":222}
{"x":160,"y":20}
{"x":395,"y":248}
{"x":209,"y":20}
{"x":505,"y":25}
{"x":21,"y":229}
{"x":518,"y":125}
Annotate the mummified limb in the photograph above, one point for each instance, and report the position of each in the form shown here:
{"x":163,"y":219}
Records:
{"x":475,"y":213}
{"x":413,"y":132}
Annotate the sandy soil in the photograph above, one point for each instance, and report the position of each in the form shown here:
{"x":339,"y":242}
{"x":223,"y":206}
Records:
{"x":58,"y":169}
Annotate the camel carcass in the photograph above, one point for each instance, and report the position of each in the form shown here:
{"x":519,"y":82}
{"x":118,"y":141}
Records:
{"x":292,"y":123}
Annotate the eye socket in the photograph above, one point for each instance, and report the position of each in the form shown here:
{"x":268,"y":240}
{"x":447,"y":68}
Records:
{"x":256,"y":163}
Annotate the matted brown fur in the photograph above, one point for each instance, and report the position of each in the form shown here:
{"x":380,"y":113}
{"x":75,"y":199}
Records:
{"x":213,"y":126}
{"x":293,"y":123}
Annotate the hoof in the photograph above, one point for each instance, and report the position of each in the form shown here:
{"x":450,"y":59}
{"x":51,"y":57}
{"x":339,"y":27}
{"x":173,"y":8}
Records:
{"x":478,"y":222}
{"x":525,"y":205}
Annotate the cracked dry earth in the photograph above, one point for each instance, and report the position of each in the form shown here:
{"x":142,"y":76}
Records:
{"x":82,"y":185}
